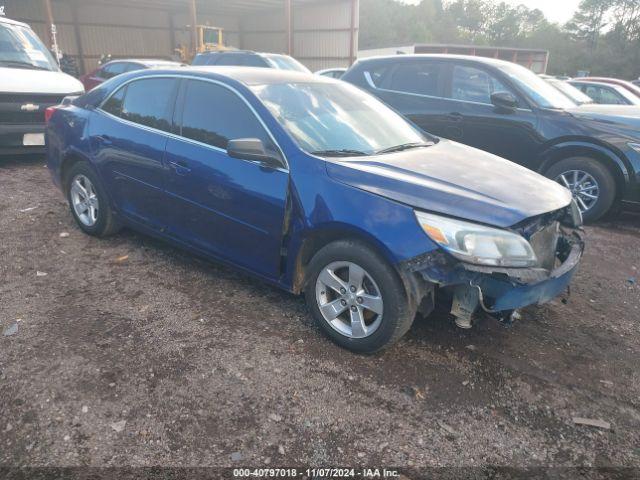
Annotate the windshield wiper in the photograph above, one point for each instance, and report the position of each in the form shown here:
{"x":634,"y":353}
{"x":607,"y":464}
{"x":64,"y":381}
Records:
{"x":404,"y":146}
{"x":345,"y":152}
{"x":19,"y":64}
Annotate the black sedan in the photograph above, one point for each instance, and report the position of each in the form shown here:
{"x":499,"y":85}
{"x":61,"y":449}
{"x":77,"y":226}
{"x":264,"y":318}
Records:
{"x":505,"y":109}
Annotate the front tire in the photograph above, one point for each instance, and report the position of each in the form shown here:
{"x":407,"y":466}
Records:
{"x":88,"y":201}
{"x":356,"y":298}
{"x":590,"y":182}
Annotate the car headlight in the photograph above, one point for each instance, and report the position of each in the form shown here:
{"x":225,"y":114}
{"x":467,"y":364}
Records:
{"x":478,"y":244}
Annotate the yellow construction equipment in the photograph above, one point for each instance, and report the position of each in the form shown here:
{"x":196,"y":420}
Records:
{"x":209,"y":39}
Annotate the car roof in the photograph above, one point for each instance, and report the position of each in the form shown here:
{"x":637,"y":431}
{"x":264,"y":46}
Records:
{"x":231,"y":52}
{"x":595,"y":82}
{"x":13,"y":22}
{"x":149,"y":62}
{"x":246,"y":75}
{"x":442,"y":56}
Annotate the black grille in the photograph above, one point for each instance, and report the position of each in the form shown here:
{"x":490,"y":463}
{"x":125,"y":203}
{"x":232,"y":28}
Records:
{"x":35,"y":98}
{"x":22,"y":117}
{"x":16,"y":108}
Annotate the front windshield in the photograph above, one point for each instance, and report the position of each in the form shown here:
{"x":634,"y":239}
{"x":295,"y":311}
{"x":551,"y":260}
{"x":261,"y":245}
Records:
{"x":21,"y":48}
{"x":336,"y":117}
{"x":283,"y":62}
{"x":572,"y":92}
{"x":541,"y":92}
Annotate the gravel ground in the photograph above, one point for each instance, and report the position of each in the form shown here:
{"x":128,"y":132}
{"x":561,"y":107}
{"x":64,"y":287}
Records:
{"x":131,"y":352}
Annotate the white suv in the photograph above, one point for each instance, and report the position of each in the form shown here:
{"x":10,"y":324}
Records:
{"x":30,"y":81}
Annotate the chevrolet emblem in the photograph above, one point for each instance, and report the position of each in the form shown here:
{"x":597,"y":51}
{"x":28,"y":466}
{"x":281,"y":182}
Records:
{"x":29,"y":107}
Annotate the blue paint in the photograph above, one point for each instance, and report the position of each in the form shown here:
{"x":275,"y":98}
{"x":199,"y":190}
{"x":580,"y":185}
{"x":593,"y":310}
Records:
{"x":258,"y":218}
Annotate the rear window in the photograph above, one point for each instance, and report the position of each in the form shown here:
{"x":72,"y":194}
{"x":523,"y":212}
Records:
{"x":147,"y":102}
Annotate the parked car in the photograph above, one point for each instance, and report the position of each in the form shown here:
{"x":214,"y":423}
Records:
{"x":30,"y":81}
{"x":246,"y":58}
{"x":332,"y":72}
{"x":314,"y":186}
{"x":116,"y":67}
{"x":570,"y":91}
{"x":507,"y":110}
{"x":629,"y":86}
{"x":606,"y":93}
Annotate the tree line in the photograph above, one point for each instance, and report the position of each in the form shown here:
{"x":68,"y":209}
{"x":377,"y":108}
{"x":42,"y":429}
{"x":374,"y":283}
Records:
{"x":603,"y":37}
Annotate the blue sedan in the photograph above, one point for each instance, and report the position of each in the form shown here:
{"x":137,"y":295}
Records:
{"x":317,"y":187}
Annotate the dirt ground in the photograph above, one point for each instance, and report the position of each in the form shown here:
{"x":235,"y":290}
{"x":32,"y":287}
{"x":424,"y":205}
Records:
{"x":131,"y":352}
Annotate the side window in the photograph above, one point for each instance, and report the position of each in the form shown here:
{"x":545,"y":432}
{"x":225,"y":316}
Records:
{"x":230,"y":59}
{"x":421,"y":78}
{"x":474,"y":85}
{"x":253,"y":61}
{"x":113,"y":105}
{"x":214,"y":115}
{"x":131,"y":67}
{"x":611,"y":97}
{"x":113,"y":69}
{"x":150,"y":102}
{"x":202,"y":59}
{"x":375,"y":75}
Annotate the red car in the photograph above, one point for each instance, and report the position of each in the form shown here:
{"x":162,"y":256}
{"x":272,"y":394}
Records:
{"x":635,"y":89}
{"x":116,"y":67}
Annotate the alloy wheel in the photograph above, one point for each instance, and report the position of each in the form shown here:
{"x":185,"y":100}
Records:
{"x":349,"y":299}
{"x":84,"y":200}
{"x":583,"y":187}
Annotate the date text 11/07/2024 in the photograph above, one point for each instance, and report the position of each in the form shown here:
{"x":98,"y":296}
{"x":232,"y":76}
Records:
{"x":315,"y":473}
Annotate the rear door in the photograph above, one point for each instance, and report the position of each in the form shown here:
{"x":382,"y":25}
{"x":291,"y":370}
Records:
{"x":414,"y":88}
{"x":128,"y":135}
{"x":228,"y":207}
{"x":480,"y":124}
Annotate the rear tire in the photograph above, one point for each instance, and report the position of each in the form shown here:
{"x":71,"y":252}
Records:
{"x":602,"y":182}
{"x":97,"y":219}
{"x":381,"y":290}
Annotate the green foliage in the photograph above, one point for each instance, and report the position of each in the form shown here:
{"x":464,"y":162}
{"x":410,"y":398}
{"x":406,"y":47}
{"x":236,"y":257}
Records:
{"x":603,"y":37}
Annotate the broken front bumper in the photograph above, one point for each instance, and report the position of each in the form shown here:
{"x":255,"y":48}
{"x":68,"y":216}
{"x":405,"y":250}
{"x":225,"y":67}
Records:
{"x":499,"y":291}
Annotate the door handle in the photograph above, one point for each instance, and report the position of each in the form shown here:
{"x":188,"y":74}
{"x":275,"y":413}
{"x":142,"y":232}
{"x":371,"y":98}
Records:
{"x":180,"y":167}
{"x":104,"y":139}
{"x":455,"y":117}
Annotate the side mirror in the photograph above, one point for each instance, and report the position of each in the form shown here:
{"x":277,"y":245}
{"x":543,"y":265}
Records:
{"x":254,"y":150}
{"x":504,"y":101}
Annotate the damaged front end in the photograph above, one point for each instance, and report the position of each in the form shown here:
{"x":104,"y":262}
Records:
{"x":556,"y":241}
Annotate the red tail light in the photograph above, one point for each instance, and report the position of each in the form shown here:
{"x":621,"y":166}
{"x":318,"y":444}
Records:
{"x":48,"y":112}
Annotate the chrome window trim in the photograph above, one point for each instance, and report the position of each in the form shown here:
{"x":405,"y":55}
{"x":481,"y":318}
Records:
{"x":369,"y":80}
{"x":189,"y":140}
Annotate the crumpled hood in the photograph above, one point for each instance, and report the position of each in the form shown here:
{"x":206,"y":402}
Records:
{"x":624,"y":115}
{"x":22,"y":80}
{"x":455,"y":180}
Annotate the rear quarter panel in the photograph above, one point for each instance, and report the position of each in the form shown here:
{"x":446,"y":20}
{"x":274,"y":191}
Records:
{"x":66,"y":138}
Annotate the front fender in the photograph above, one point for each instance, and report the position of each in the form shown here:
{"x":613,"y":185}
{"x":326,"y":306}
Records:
{"x":559,"y":150}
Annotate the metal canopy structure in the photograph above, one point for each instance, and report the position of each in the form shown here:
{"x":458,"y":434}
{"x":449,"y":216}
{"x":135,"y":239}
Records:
{"x":319,"y":33}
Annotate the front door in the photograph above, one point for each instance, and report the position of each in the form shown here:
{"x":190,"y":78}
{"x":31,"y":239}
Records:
{"x":128,"y":138}
{"x":229,"y":207}
{"x":512,"y":135}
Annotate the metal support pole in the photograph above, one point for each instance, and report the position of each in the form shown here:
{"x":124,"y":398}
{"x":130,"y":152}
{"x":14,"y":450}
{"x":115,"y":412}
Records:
{"x":352,"y":30}
{"x":49,"y":12}
{"x":76,"y":30}
{"x":194,"y":26}
{"x":289,"y":21}
{"x":53,"y":43}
